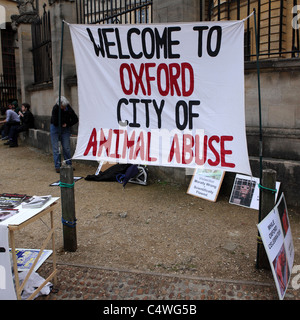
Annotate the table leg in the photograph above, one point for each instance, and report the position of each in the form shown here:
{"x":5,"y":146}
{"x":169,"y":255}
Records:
{"x":53,"y":249}
{"x":15,"y":264}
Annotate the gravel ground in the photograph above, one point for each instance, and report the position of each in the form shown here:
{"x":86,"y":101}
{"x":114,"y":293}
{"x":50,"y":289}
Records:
{"x":155,"y":228}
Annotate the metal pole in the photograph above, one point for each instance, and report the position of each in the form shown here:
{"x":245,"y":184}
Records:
{"x":59,"y":87}
{"x":259,"y":95}
{"x":260,"y":128}
{"x":267,"y":204}
{"x":68,"y":208}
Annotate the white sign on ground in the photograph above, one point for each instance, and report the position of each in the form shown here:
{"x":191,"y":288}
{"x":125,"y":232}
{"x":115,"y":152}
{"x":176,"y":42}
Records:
{"x":206,"y":183}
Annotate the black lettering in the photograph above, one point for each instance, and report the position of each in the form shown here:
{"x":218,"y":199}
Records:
{"x":218,"y":41}
{"x":146,"y":102}
{"x":108,"y":44}
{"x":161,"y":42}
{"x":200,"y":38}
{"x":159,"y":111}
{"x":182,"y":104}
{"x":149,"y":43}
{"x":98,"y":48}
{"x":121,"y":123}
{"x":129,"y":34}
{"x":134,"y":124}
{"x":121,"y":55}
{"x":171,"y":43}
{"x":191,"y":114}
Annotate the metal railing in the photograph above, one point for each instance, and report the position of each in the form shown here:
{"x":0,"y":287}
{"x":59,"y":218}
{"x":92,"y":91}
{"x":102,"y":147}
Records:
{"x":113,"y":11}
{"x":8,"y":91}
{"x":277,"y":36}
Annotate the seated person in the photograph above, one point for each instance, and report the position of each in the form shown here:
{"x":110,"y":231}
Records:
{"x":12,"y":120}
{"x":27,"y":122}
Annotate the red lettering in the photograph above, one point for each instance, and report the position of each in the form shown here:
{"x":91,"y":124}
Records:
{"x":174,"y":77}
{"x":163,"y":67}
{"x":128,"y":144}
{"x":116,"y":154}
{"x":105,"y":142}
{"x":138,"y":78}
{"x":122,"y":67}
{"x":175,"y":148}
{"x":224,"y":152}
{"x":187,"y":148}
{"x":214,"y":151}
{"x":148,"y":77}
{"x":200,"y":161}
{"x":187,"y":66}
{"x":92,"y":143}
{"x":148,"y":158}
{"x":140,"y":147}
{"x":167,"y":79}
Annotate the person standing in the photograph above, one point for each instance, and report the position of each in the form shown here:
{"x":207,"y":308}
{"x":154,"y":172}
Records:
{"x":68,"y":118}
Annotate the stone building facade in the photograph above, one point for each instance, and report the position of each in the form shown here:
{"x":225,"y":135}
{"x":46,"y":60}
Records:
{"x":279,"y":75}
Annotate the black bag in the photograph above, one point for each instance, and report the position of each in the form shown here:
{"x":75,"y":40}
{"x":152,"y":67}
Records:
{"x":109,"y":174}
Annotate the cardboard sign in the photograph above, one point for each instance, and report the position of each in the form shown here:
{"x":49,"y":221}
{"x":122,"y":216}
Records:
{"x":206,"y":183}
{"x":26,"y":258}
{"x":276,"y":235}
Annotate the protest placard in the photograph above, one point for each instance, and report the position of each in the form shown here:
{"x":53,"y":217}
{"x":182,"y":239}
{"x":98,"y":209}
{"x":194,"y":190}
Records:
{"x":26,"y":258}
{"x":276,"y":235}
{"x":245,"y":191}
{"x":206,"y":183}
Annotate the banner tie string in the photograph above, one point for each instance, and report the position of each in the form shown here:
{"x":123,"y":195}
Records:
{"x":71,"y":224}
{"x":265,"y":188}
{"x":248,"y":16}
{"x":66,"y":185}
{"x":65,"y":161}
{"x":259,"y":240}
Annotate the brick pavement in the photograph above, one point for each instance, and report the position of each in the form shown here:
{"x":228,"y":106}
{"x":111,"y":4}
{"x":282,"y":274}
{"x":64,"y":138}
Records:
{"x":76,"y":282}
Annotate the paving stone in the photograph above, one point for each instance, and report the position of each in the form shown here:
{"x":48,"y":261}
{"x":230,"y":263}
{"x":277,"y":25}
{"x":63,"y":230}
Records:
{"x":80,"y":283}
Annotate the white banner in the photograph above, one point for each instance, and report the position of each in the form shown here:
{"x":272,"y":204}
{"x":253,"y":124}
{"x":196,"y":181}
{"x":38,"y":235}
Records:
{"x":165,"y":94}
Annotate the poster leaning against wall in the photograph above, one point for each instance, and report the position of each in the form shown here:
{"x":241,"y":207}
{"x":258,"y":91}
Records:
{"x":206,"y":183}
{"x":276,"y":235}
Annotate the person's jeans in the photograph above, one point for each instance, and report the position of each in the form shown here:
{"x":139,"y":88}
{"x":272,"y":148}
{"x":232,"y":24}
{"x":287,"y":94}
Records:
{"x":65,"y":144}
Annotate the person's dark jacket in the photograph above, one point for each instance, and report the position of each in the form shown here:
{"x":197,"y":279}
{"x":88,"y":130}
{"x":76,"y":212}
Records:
{"x":68,"y":116}
{"x":27,"y":120}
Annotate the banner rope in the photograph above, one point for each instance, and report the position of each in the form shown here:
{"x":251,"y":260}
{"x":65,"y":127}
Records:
{"x":71,"y":224}
{"x":66,"y":185}
{"x":248,"y":16}
{"x":259,"y":240}
{"x":265,"y":188}
{"x":64,"y":161}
